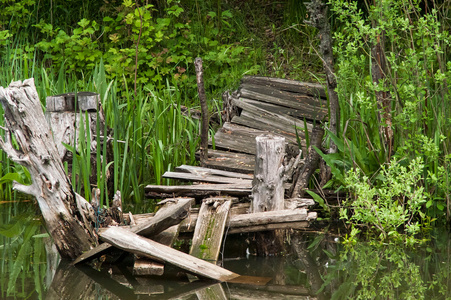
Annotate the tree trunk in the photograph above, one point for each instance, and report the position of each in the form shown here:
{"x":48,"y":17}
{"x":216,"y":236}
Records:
{"x":68,"y":217}
{"x":204,"y":110}
{"x":318,"y":19}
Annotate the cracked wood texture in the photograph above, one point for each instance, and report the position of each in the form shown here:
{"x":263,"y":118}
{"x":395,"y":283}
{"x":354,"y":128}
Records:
{"x":68,"y":217}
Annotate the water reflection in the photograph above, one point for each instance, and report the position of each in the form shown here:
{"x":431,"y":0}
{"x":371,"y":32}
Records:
{"x":318,"y":267}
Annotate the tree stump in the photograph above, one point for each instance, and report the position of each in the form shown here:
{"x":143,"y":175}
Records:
{"x":68,"y":217}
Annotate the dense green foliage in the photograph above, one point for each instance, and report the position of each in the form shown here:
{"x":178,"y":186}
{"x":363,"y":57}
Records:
{"x":402,"y":189}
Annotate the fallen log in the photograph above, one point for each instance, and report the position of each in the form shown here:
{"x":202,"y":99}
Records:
{"x":171,"y":214}
{"x":131,"y":242}
{"x":68,"y":217}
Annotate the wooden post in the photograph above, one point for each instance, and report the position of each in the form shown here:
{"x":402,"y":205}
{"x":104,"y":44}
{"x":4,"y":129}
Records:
{"x":68,"y":217}
{"x":204,"y":110}
{"x":267,"y":187}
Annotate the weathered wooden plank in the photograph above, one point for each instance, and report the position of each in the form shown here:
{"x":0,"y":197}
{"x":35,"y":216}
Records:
{"x":131,"y":242}
{"x":280,"y":97}
{"x":270,"y":227}
{"x":242,"y":139}
{"x":304,"y":111}
{"x":169,"y":215}
{"x":196,"y":190}
{"x":209,"y":229}
{"x":255,"y":121}
{"x":231,"y":161}
{"x":205,"y":178}
{"x":266,"y":115}
{"x":207,"y":171}
{"x":146,"y":267}
{"x":312,"y":89}
{"x":267,"y":217}
{"x":86,"y":101}
{"x":282,"y":219}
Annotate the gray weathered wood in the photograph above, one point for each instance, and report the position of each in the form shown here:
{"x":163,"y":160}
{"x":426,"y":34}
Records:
{"x":169,"y":191}
{"x":146,"y":267}
{"x":242,"y":139}
{"x":253,"y":222}
{"x":308,"y":112}
{"x":206,"y":178}
{"x":265,"y":217}
{"x":86,"y":101}
{"x":169,"y":215}
{"x":207,"y":171}
{"x":230,"y":161}
{"x":68,"y":218}
{"x":209,"y":229}
{"x":266,"y":115}
{"x":312,"y":89}
{"x":131,"y":242}
{"x":304,"y":110}
{"x":269,"y":124}
{"x":267,"y":187}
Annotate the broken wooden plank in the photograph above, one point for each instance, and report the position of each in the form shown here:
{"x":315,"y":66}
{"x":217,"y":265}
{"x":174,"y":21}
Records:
{"x":147,"y":267}
{"x":231,"y":161}
{"x":131,"y":242}
{"x":312,"y":89}
{"x":208,"y":171}
{"x":169,"y":215}
{"x":209,"y":229}
{"x":206,"y":178}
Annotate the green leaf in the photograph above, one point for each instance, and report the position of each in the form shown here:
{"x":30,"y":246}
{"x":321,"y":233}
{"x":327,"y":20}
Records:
{"x":319,"y":200}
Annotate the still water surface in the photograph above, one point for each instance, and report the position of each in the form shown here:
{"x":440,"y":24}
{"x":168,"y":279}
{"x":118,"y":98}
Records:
{"x":317,"y":268}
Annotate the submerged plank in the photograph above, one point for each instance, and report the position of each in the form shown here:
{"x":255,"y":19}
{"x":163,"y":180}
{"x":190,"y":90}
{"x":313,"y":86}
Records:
{"x":131,"y":242}
{"x":171,"y":214}
{"x":209,"y":229}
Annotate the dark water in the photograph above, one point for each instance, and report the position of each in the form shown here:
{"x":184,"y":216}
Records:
{"x":317,"y":267}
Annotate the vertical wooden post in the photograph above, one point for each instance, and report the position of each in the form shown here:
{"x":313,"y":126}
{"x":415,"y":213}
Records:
{"x":204,"y":111}
{"x":267,"y":190}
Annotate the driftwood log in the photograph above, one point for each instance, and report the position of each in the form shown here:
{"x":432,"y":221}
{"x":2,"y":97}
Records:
{"x":68,"y":217}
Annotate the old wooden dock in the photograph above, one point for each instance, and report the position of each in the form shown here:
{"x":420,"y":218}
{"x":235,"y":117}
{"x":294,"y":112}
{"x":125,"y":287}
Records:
{"x":260,"y":106}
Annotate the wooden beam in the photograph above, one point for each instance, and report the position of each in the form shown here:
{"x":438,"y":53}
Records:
{"x":131,"y":242}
